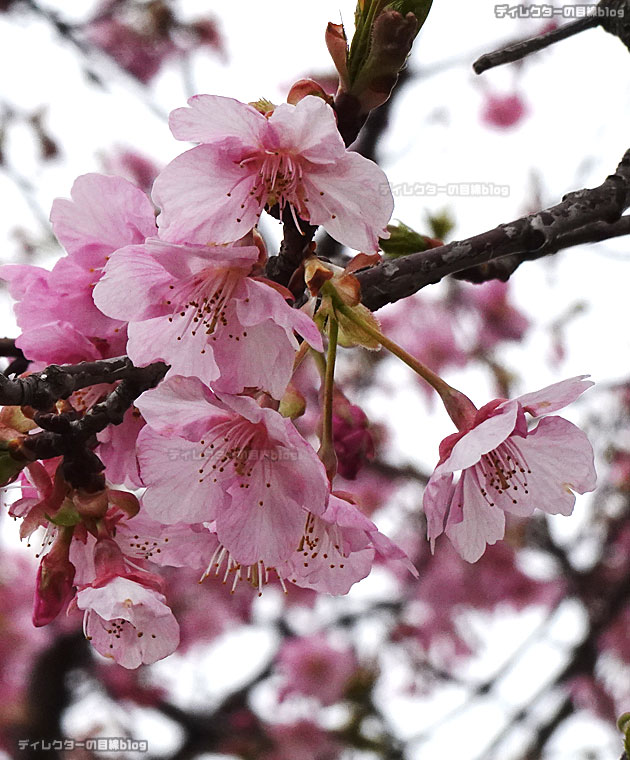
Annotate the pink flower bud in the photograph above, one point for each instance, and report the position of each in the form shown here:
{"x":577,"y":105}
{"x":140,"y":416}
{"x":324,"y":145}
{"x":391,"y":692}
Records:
{"x":352,"y":437}
{"x":55,"y":581}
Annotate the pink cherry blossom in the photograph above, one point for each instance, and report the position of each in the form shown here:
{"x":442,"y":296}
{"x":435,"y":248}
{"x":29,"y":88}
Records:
{"x":427,"y":329}
{"x":128,"y":622}
{"x":141,"y":54}
{"x":55,"y":309}
{"x":55,"y":580}
{"x":503,"y":111}
{"x":312,"y":667}
{"x":195,"y":308}
{"x":499,"y":319}
{"x":215,"y":192}
{"x":337,"y":549}
{"x":241,"y":465}
{"x":507,"y":468}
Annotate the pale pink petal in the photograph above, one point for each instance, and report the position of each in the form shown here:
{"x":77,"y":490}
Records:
{"x":555,"y":396}
{"x":472,"y":523}
{"x":261,"y":524}
{"x":71,"y":287}
{"x":21,"y":277}
{"x":182,"y":407}
{"x":483,"y":438}
{"x":176,"y":490}
{"x":205,"y":197}
{"x":322,"y":565}
{"x":57,"y":343}
{"x":308,"y":129}
{"x":560,"y":458}
{"x":262,"y":358}
{"x":128,"y":622}
{"x":265,"y":302}
{"x":436,"y":502}
{"x":214,"y":119}
{"x":180,"y":545}
{"x":117,"y":450}
{"x":163,"y":339}
{"x":105,"y":213}
{"x":133,"y":286}
{"x":351,"y":200}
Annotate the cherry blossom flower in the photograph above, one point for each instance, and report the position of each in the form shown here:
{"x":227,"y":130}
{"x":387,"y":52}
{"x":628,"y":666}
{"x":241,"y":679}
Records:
{"x":503,"y":111}
{"x":215,"y":192}
{"x":126,"y":616}
{"x":500,"y":320}
{"x":128,"y":622}
{"x":241,"y":465}
{"x":337,"y":549}
{"x":507,"y":468}
{"x":312,"y":667}
{"x":195,"y":308}
{"x":55,"y":309}
{"x":141,"y":53}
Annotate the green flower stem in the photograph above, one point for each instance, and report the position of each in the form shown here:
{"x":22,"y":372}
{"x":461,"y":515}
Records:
{"x":327,"y":450}
{"x":459,"y":407}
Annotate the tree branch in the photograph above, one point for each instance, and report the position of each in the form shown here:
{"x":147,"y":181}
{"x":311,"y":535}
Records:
{"x":42,"y":390}
{"x":580,"y":217}
{"x":611,"y":15}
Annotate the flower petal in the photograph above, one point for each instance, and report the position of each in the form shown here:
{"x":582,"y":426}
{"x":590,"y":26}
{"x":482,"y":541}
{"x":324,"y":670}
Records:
{"x":472,"y":523}
{"x":352,"y":200}
{"x":206,"y":197}
{"x":555,"y":396}
{"x":213,"y":119}
{"x":481,"y":439}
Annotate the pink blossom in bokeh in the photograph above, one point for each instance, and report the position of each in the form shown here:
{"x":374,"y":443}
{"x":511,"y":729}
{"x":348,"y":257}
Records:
{"x":503,"y":111}
{"x":311,"y":666}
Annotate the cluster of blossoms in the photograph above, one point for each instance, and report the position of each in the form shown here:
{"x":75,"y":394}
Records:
{"x":205,"y":470}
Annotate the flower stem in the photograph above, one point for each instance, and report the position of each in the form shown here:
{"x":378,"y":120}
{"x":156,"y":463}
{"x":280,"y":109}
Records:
{"x":327,"y":449}
{"x":459,"y":407}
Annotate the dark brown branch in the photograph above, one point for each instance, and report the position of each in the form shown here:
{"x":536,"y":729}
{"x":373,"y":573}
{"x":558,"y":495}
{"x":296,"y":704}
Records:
{"x":531,"y":236}
{"x":523,"y":48}
{"x":295,"y":247}
{"x":72,"y":434}
{"x":612,"y":15}
{"x":503,"y":268}
{"x":8,"y":347}
{"x":42,"y":390}
{"x":19,"y":363}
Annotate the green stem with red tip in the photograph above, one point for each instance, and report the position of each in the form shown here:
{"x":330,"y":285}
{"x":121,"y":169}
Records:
{"x":459,"y":407}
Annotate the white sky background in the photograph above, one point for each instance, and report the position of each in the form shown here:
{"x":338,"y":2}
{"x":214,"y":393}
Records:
{"x":578,"y":95}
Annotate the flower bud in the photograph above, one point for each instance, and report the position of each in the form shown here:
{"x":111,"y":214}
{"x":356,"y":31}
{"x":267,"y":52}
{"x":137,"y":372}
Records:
{"x":293,"y":403}
{"x":403,"y":240}
{"x":55,"y":580}
{"x":92,"y":505}
{"x":353,"y":440}
{"x":382,"y":41}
